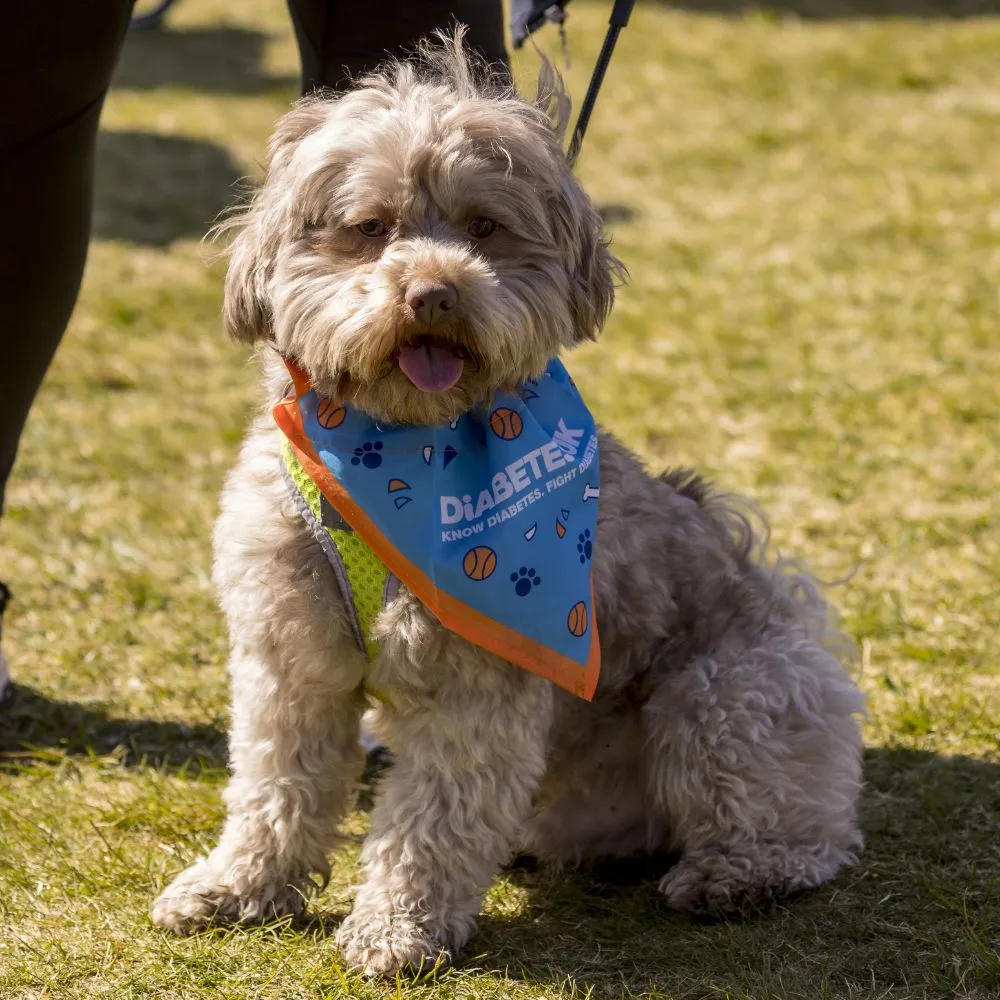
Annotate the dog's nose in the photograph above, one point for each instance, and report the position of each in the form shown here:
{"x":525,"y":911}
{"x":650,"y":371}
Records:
{"x":431,"y":300}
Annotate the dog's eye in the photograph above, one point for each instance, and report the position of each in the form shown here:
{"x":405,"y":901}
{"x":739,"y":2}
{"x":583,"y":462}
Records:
{"x":481,"y":227}
{"x":371,"y":227}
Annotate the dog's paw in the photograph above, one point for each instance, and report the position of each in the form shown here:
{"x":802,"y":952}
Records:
{"x":197,"y":899}
{"x":378,"y":944}
{"x":743,"y":881}
{"x":688,"y":889}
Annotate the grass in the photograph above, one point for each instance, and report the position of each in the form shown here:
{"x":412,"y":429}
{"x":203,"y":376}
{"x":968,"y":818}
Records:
{"x":809,"y":210}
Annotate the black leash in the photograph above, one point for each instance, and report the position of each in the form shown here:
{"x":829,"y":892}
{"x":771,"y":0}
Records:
{"x":527,"y":16}
{"x":619,"y":19}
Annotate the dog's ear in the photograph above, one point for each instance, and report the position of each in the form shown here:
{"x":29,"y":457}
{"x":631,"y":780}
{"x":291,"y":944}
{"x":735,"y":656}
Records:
{"x":592,"y":268}
{"x":305,"y":117}
{"x":577,"y":225}
{"x":246,"y":312}
{"x":246,"y":309}
{"x":551,"y":98}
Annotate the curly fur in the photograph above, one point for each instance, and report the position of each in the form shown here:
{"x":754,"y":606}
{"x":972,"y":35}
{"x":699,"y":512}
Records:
{"x":724,"y":726}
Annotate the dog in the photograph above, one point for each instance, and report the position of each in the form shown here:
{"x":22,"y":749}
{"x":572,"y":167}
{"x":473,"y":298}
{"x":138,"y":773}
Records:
{"x":432,"y":209}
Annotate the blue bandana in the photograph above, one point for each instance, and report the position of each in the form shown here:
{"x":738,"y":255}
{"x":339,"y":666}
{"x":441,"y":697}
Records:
{"x":490,"y":520}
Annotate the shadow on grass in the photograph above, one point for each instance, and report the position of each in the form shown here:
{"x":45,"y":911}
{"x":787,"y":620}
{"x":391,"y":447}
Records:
{"x":829,"y":10}
{"x":615,"y":212}
{"x":34,"y":727}
{"x":155,"y":189}
{"x":921,"y":909}
{"x":221,"y":60}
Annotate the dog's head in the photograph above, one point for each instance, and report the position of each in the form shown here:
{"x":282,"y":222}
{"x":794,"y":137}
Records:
{"x":419,"y":242}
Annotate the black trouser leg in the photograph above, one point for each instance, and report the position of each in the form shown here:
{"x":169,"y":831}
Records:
{"x":342,"y":38}
{"x":56,"y":61}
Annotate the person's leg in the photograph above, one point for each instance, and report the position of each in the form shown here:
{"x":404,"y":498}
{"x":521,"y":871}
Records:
{"x":5,"y":688}
{"x":56,"y":61}
{"x":339,"y":39}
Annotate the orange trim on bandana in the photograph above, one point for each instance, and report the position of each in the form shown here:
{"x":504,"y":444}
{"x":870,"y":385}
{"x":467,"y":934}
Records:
{"x":452,"y":613}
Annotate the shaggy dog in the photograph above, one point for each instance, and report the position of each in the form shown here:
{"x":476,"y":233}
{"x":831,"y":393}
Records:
{"x":432,"y":202}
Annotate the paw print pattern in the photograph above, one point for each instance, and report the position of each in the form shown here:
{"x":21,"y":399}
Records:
{"x":368,"y":455}
{"x":584,"y":545}
{"x":524,"y":579}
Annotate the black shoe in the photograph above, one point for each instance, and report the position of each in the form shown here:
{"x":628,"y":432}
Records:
{"x":6,"y":688}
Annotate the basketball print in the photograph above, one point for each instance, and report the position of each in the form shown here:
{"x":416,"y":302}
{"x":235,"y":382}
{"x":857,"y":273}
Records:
{"x":479,"y":563}
{"x":506,"y":423}
{"x":577,"y":621}
{"x":330,"y":414}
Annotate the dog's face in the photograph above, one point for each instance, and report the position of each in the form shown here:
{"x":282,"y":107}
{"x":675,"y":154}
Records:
{"x":418,"y":244}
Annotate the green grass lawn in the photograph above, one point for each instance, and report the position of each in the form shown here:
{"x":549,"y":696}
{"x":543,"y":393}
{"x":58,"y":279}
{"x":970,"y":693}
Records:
{"x":810,"y":211}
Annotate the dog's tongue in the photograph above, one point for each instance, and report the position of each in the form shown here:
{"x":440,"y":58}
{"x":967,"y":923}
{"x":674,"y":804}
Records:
{"x":430,"y":367}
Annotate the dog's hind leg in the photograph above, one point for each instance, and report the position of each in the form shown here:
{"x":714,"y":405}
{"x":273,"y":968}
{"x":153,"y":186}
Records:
{"x":593,"y":801}
{"x":449,"y":812}
{"x":755,"y":768}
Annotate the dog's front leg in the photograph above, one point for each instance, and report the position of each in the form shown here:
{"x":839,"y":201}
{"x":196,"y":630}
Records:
{"x":449,"y":812}
{"x":295,"y":757}
{"x":296,"y":707}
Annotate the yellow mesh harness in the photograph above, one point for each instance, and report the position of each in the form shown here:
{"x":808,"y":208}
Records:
{"x":366,"y":585}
